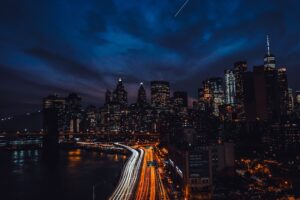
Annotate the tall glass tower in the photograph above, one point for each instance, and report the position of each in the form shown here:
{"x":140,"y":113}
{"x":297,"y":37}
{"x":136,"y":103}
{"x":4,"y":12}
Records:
{"x":269,"y":60}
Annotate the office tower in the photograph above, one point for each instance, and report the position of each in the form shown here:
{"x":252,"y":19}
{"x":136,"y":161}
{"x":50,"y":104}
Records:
{"x":180,"y":99}
{"x":221,"y":156}
{"x":90,"y":119}
{"x":114,"y":117}
{"x":108,"y":97}
{"x":73,"y":113}
{"x":120,"y":94}
{"x":213,"y":92}
{"x":291,"y":105}
{"x":53,"y":123}
{"x":201,"y":101}
{"x":230,"y":87}
{"x":266,"y":93}
{"x":54,"y":113}
{"x":239,"y":69}
{"x":205,"y":97}
{"x":249,"y":96}
{"x":297,"y":102}
{"x":269,"y":59}
{"x":283,"y":91}
{"x":198,"y":175}
{"x":160,"y":94}
{"x":142,"y":98}
{"x":297,"y":97}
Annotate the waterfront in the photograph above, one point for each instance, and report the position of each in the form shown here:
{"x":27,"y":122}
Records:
{"x":24,"y":176}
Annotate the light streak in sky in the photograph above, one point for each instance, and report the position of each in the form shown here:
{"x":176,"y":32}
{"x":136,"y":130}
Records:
{"x":177,"y":13}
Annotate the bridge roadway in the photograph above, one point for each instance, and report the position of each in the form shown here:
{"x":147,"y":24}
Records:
{"x":140,"y":179}
{"x":150,"y":186}
{"x":129,"y":177}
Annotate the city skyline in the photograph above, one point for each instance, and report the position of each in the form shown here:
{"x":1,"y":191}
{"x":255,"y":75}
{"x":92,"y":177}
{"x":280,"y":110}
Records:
{"x":133,"y":91}
{"x":149,"y":100}
{"x":43,"y":55}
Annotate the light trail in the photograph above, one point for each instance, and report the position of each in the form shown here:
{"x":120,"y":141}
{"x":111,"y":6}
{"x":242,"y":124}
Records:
{"x":144,"y":183}
{"x":153,"y":179}
{"x":177,"y":13}
{"x":150,"y":185}
{"x":129,"y":176}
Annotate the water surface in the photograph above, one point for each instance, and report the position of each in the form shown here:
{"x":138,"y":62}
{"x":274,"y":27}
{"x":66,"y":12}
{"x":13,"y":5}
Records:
{"x":23,"y":175}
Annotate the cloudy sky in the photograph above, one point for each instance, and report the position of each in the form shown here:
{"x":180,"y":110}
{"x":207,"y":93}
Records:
{"x":83,"y":46}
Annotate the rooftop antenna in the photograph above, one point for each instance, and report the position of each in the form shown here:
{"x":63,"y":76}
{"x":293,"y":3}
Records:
{"x":268,"y":45}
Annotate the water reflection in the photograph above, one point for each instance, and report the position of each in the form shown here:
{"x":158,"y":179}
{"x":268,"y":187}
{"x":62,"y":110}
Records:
{"x":24,"y":175}
{"x":74,"y":156}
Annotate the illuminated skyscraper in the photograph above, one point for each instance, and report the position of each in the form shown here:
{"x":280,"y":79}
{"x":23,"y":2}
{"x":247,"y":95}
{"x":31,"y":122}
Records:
{"x":214,"y":93}
{"x":269,"y":59}
{"x":297,"y":102}
{"x":297,"y":97}
{"x":291,"y":105}
{"x":73,"y":112}
{"x":142,"y":98}
{"x":90,"y":121}
{"x":160,"y":94}
{"x":283,"y":92}
{"x":230,"y":88}
{"x":239,"y":69}
{"x":201,"y":103}
{"x":120,"y":94}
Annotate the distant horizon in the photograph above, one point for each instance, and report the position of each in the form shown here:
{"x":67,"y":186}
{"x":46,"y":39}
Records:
{"x":131,"y":93}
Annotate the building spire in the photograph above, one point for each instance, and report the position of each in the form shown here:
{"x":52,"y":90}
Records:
{"x":268,"y":45}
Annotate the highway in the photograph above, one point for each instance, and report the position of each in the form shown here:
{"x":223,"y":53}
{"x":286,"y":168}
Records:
{"x":140,"y":178}
{"x":150,"y":186}
{"x":130,"y":174}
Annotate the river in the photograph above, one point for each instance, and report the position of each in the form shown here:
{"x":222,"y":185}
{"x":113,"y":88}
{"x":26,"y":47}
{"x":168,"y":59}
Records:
{"x":23,"y":175}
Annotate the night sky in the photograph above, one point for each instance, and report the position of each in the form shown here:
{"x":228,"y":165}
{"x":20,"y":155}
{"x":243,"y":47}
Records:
{"x":60,"y":46}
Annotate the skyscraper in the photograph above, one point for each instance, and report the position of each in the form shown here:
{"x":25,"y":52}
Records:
{"x":269,"y":59}
{"x":202,"y":102}
{"x":283,"y":92}
{"x":54,"y":113}
{"x":230,"y":88}
{"x":291,"y":105}
{"x":142,"y":98}
{"x":297,"y":102}
{"x":214,"y":93}
{"x":53,"y":123}
{"x":240,"y":68}
{"x":298,"y":97}
{"x":160,"y":94}
{"x":108,"y":97}
{"x":73,"y":112}
{"x":249,"y":96}
{"x":180,"y":99}
{"x":120,"y":94}
{"x":266,"y":93}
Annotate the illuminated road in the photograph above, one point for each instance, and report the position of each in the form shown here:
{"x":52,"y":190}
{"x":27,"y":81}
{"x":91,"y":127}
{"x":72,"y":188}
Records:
{"x":140,"y":178}
{"x":150,"y":185}
{"x":128,"y":180}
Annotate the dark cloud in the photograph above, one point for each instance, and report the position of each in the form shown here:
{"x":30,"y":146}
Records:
{"x":84,"y":46}
{"x":65,"y":65}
